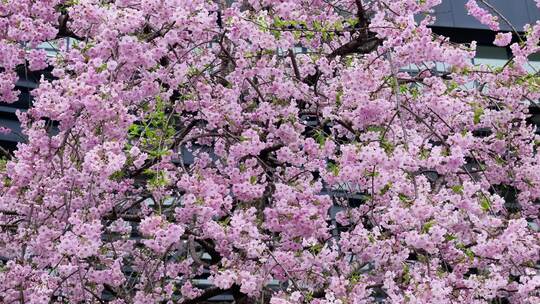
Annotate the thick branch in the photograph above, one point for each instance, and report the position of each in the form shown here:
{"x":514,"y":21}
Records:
{"x":362,"y":44}
{"x":362,"y":18}
{"x":358,"y":46}
{"x":63,"y":30}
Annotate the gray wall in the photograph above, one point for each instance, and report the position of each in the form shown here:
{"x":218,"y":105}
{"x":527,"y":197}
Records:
{"x":452,"y":13}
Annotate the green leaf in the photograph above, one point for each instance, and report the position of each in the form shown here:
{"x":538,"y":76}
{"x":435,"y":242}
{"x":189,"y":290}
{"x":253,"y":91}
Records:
{"x":87,"y":47}
{"x":478,"y":112}
{"x":225,"y":221}
{"x":440,"y":272}
{"x":387,"y":146}
{"x":339,"y":94}
{"x":424,"y":153}
{"x":371,"y":173}
{"x":406,"y":277}
{"x":403,"y":197}
{"x":316,"y":249}
{"x":338,"y":25}
{"x":118,"y":175}
{"x":317,"y":26}
{"x":157,"y":178}
{"x":334,"y":168}
{"x":445,"y":151}
{"x":385,"y":189}
{"x":7,"y":181}
{"x":253,"y":180}
{"x":485,"y":204}
{"x":101,"y":68}
{"x":452,"y":85}
{"x":3,"y":164}
{"x":468,"y":252}
{"x":450,"y":237}
{"x":352,"y":21}
{"x":403,"y":89}
{"x":320,"y":138}
{"x":414,"y":92}
{"x":457,"y":189}
{"x":427,"y":226}
{"x":355,"y":277}
{"x":309,"y":297}
{"x":499,"y":160}
{"x":375,"y":128}
{"x":278,"y":22}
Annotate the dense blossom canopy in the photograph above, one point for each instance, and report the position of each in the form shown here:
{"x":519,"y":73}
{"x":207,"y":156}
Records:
{"x":182,"y":139}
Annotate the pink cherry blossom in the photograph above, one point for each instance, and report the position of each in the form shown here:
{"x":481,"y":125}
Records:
{"x":281,"y":151}
{"x":482,"y":15}
{"x":503,"y":39}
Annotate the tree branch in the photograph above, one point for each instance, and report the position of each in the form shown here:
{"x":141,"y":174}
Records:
{"x":63,"y":30}
{"x":207,"y":294}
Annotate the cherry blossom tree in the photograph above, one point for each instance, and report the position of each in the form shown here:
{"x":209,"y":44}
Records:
{"x":182,"y":139}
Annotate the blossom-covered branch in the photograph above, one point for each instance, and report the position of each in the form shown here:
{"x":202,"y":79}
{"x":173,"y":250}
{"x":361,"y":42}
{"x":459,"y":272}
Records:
{"x":278,"y":150}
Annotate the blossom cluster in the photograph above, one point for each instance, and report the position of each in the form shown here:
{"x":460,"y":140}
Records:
{"x":180,"y":140}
